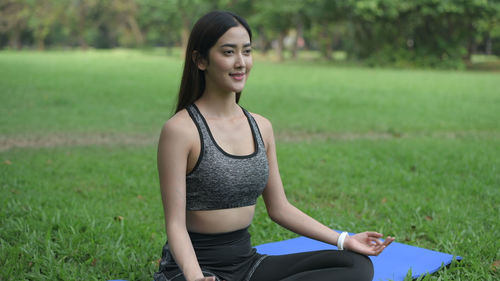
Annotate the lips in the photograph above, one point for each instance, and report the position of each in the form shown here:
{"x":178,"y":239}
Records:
{"x":237,"y":76}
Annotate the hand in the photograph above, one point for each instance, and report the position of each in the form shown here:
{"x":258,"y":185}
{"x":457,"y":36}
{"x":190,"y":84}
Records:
{"x":367,"y":243}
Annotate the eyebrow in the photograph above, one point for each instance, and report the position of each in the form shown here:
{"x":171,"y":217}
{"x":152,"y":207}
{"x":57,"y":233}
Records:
{"x":234,"y":45}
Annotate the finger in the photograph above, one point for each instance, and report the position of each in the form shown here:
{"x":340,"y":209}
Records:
{"x":374,"y":234}
{"x":389,"y":240}
{"x":375,"y":241}
{"x":384,"y":244}
{"x":379,"y":249}
{"x":375,"y":251}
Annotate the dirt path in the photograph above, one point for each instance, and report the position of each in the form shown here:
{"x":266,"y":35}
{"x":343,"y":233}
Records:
{"x":11,"y":142}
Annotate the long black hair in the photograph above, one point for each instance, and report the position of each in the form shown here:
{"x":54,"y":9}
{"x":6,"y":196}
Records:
{"x":205,"y":33}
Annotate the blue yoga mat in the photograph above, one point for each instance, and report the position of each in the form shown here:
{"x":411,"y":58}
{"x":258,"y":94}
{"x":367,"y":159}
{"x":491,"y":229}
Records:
{"x":393,"y":263}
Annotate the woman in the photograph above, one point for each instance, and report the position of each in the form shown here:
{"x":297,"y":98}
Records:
{"x":215,"y":159}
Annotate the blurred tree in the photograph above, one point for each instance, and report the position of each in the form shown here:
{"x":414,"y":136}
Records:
{"x":244,"y":8}
{"x":126,"y":13}
{"x":44,"y":16}
{"x":116,"y":24}
{"x":14,"y":17}
{"x":160,"y":21}
{"x":492,"y":27}
{"x":380,"y":27}
{"x":103,"y":23}
{"x":397,"y":32}
{"x":488,"y":30}
{"x":189,"y":11}
{"x":426,"y":32}
{"x":328,"y":23}
{"x":273,"y":19}
{"x":449,"y":28}
{"x":77,"y":19}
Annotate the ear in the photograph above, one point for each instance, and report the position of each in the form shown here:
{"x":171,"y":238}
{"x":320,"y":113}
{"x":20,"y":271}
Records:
{"x":200,"y":62}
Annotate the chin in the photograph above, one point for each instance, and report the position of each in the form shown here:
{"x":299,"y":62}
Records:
{"x":237,"y":89}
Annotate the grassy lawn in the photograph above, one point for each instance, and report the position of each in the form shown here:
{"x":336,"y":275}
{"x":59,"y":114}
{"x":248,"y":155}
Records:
{"x":411,"y":153}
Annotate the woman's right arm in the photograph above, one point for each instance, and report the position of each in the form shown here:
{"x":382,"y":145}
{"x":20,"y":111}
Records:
{"x":173,"y":151}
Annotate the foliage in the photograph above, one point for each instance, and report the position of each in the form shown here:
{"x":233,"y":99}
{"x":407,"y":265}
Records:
{"x":381,"y":32}
{"x":430,"y":33}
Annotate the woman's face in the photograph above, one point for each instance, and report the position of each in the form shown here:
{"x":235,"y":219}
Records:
{"x":229,"y":62}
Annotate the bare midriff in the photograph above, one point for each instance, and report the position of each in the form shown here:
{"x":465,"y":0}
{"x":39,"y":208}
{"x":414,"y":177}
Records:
{"x":219,"y":221}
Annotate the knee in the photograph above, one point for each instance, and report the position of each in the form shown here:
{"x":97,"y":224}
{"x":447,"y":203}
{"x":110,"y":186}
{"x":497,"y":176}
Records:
{"x":364,"y":267}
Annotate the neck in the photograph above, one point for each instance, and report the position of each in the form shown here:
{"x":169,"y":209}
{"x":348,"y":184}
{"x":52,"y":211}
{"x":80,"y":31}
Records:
{"x":217,"y":105}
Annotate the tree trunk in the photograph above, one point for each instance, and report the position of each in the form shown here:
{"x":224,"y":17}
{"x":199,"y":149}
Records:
{"x":489,"y":46}
{"x":299,"y":36}
{"x":139,"y":38}
{"x":82,"y":16}
{"x":40,"y":43}
{"x":280,"y":48}
{"x":471,"y":46}
{"x":326,"y":42}
{"x":185,"y":34}
{"x":15,"y":39}
{"x":40,"y":34}
{"x":82,"y":42}
{"x":263,"y":42}
{"x":471,"y":49}
{"x":328,"y":50}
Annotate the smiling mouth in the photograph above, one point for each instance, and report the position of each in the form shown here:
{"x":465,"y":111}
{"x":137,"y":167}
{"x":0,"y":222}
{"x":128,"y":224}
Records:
{"x":238,"y":76}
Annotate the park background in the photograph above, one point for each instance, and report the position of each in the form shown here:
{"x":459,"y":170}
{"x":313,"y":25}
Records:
{"x":386,"y":115}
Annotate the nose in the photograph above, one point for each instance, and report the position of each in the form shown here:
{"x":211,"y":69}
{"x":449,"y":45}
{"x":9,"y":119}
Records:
{"x":239,"y":61}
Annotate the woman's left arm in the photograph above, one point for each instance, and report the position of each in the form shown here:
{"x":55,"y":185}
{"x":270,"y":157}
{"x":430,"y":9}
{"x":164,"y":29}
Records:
{"x":285,"y":214}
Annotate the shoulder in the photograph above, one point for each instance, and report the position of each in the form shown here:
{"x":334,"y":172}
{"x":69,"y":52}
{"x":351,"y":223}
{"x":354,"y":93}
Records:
{"x":179,"y":128}
{"x":263,"y":122}
{"x":265,"y":127}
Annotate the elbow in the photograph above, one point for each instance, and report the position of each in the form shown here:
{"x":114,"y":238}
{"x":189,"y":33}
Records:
{"x":277,"y":213}
{"x":176,"y":235}
{"x":175,"y":227}
{"x":273,"y":216}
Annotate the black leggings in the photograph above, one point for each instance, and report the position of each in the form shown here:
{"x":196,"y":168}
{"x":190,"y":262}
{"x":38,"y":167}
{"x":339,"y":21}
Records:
{"x":327,"y":265}
{"x":230,"y":257}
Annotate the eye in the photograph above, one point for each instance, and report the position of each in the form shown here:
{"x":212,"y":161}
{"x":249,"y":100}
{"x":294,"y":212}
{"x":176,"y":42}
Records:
{"x":228,"y":52}
{"x":247,"y":51}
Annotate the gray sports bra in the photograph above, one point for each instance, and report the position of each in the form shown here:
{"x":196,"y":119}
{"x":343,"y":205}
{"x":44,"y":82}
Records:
{"x":220,"y":180}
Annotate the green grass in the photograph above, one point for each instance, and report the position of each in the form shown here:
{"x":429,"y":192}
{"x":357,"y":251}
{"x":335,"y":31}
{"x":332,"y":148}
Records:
{"x":410,"y":153}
